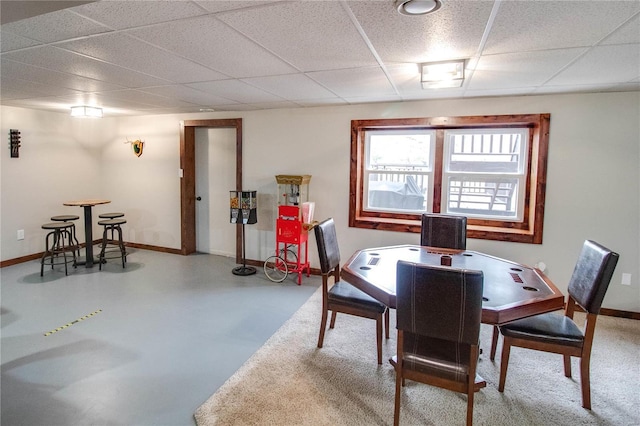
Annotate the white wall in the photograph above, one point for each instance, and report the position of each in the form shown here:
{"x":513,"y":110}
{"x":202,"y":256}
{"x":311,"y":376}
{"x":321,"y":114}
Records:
{"x":593,"y":181}
{"x":59,"y":161}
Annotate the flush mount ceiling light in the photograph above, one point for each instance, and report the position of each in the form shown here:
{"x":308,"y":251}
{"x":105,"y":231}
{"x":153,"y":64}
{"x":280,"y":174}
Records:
{"x":417,"y":7}
{"x":437,"y":75}
{"x":86,"y":111}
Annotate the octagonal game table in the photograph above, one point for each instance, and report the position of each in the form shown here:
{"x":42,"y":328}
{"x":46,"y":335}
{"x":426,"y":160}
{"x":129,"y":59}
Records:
{"x":511,"y":290}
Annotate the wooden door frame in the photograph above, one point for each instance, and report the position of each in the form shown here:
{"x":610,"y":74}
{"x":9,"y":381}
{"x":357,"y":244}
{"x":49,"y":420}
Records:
{"x":188,"y":180}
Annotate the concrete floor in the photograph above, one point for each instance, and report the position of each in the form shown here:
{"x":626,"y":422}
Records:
{"x":165,"y":333}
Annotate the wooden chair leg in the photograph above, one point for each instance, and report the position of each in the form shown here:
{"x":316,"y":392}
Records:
{"x":333,"y":319}
{"x":386,"y":323}
{"x":504,"y":363}
{"x":567,"y":365}
{"x":379,"y":337}
{"x":323,"y":326}
{"x":470,"y":394}
{"x":494,"y":342}
{"x":585,"y":382}
{"x":399,"y":383}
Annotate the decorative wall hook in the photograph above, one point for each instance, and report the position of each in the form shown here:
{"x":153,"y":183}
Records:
{"x":14,"y":142}
{"x":136,"y":146}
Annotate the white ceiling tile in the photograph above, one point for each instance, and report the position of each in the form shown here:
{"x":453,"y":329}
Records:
{"x":520,"y":70}
{"x":602,"y":64}
{"x":121,"y":49}
{"x":211,"y":43}
{"x":54,"y":78}
{"x":273,"y":105}
{"x":188,"y":94}
{"x":321,"y":30}
{"x":222,"y":5}
{"x":355,"y":82}
{"x":236,"y":90}
{"x":51,"y":103}
{"x":454,"y":31}
{"x":500,"y":92}
{"x":107,"y":101}
{"x":10,"y":41}
{"x":406,"y":77}
{"x":535,"y":25}
{"x":127,"y":14}
{"x":144,"y":98}
{"x":628,"y":33}
{"x":372,"y":99}
{"x":291,"y":86}
{"x":55,"y":26}
{"x":65,"y":61}
{"x":20,"y":89}
{"x":236,"y":107}
{"x":321,"y":102}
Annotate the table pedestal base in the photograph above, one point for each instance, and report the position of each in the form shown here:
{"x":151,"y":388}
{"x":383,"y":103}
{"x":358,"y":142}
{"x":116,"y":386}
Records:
{"x":244,"y":270}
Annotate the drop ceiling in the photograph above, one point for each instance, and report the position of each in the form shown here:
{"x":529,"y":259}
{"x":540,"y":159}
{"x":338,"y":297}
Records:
{"x":157,"y":57}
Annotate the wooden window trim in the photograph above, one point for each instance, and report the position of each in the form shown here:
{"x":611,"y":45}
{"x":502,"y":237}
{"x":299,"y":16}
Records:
{"x":529,"y":230}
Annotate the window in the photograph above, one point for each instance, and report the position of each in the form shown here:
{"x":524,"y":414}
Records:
{"x":491,"y":169}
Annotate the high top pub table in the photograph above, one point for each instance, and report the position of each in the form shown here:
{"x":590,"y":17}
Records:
{"x":88,"y":227}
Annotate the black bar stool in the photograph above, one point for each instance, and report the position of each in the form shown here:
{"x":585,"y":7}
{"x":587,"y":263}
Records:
{"x":69,"y":218}
{"x":112,"y":215}
{"x":112,"y":225}
{"x":62,"y":243}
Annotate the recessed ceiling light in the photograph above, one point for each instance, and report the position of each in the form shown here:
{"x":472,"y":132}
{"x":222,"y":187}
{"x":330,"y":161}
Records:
{"x":417,"y":7}
{"x":207,"y":110}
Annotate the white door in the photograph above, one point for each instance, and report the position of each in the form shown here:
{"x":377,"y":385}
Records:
{"x":215,"y":177}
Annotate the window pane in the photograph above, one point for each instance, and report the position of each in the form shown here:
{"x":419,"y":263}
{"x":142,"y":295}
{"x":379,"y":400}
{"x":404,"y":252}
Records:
{"x":399,"y":152}
{"x":483,"y":196}
{"x":486,"y":151}
{"x":389,"y":191}
{"x":398,"y":168}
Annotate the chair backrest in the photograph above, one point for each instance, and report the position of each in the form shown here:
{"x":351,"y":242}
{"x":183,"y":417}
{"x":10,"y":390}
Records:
{"x":444,"y":231}
{"x":439,"y":302}
{"x":591,"y":276}
{"x":328,"y":249}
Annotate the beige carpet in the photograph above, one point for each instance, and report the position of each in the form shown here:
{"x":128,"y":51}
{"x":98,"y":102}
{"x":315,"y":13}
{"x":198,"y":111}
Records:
{"x":289,"y":381}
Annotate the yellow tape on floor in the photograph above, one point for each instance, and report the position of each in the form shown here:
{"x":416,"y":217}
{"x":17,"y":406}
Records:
{"x":72,"y":322}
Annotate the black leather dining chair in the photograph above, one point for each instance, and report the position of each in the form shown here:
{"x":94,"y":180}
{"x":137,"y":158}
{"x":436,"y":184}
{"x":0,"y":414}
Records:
{"x":343,"y":297}
{"x":444,"y":231}
{"x":559,"y":333}
{"x":439,"y":310}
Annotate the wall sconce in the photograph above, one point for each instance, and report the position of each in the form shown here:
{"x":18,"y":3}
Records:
{"x":437,"y":75}
{"x":86,"y":111}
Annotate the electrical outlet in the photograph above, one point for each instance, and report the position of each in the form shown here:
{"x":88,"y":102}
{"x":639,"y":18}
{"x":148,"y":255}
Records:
{"x":20,"y":234}
{"x":626,"y":279}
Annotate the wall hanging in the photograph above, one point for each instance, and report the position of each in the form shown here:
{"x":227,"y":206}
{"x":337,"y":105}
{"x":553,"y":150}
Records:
{"x":136,"y":146}
{"x":14,"y":142}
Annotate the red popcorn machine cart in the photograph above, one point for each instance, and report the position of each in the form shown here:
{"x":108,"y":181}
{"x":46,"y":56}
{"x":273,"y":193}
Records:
{"x":295,"y":220}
